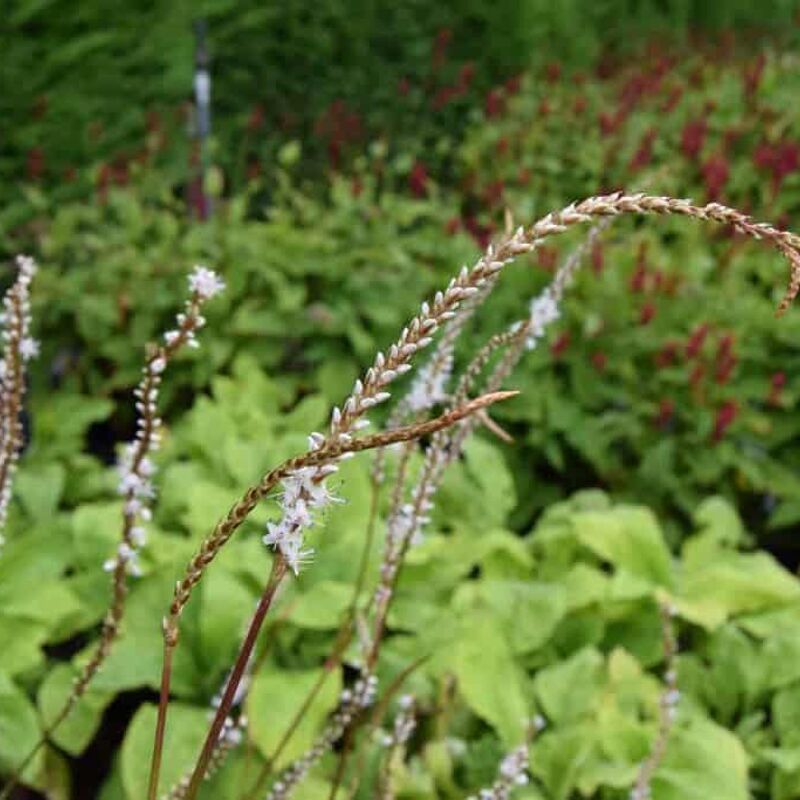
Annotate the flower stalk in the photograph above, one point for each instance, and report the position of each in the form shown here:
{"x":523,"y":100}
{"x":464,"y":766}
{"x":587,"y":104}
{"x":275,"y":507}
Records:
{"x":18,"y":348}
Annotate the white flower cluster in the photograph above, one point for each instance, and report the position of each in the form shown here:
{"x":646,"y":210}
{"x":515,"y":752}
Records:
{"x":514,"y":766}
{"x":351,"y":703}
{"x":205,"y":282}
{"x":429,"y":387}
{"x":134,"y":465}
{"x":669,"y":701}
{"x":136,"y":469}
{"x":304,"y":493}
{"x":513,"y":772}
{"x":404,"y":530}
{"x":16,"y":315}
{"x":233,"y":729}
{"x":405,"y":722}
{"x":360,"y":697}
{"x":18,"y":348}
{"x":543,"y":312}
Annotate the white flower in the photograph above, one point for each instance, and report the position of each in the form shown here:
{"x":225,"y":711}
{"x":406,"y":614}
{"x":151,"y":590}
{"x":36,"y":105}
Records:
{"x":296,"y":555}
{"x":306,"y":483}
{"x":429,"y":387}
{"x":138,"y":536}
{"x":28,"y":348}
{"x":158,"y":365}
{"x":205,"y":282}
{"x":27,"y":267}
{"x":543,"y":312}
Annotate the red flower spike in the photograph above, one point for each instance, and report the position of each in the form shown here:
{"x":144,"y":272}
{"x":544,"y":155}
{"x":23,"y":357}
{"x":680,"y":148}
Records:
{"x":725,"y":346}
{"x":696,"y":378}
{"x":452,"y":226}
{"x":513,"y":85}
{"x":560,"y":345}
{"x":715,"y":174}
{"x":465,"y":75}
{"x":495,"y":104}
{"x":667,"y":355}
{"x":647,"y":313}
{"x":777,"y":382}
{"x":751,"y":78}
{"x":256,"y":119}
{"x":644,"y":155}
{"x":35,"y":163}
{"x":418,"y":180}
{"x":552,"y":72}
{"x":693,"y":137}
{"x":725,"y":369}
{"x":726,"y":415}
{"x":696,"y":340}
{"x":666,"y":412}
{"x":440,"y":45}
{"x":599,"y":361}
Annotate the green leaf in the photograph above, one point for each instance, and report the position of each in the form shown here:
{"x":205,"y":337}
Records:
{"x":733,"y":583}
{"x":569,"y":689}
{"x":321,"y":605}
{"x":39,"y":488}
{"x":29,"y":561}
{"x":559,"y":755}
{"x":185,"y":733}
{"x":529,"y":611}
{"x":703,"y":762}
{"x":80,"y":726}
{"x":488,"y":678}
{"x":21,"y":640}
{"x":786,"y":715}
{"x":274,"y":699}
{"x":19,"y":725}
{"x":630,"y":538}
{"x":717,"y":518}
{"x":96,"y":529}
{"x":226,"y":605}
{"x":136,"y":657}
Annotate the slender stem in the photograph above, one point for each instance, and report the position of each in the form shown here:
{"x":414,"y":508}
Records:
{"x":276,"y":576}
{"x":161,"y":721}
